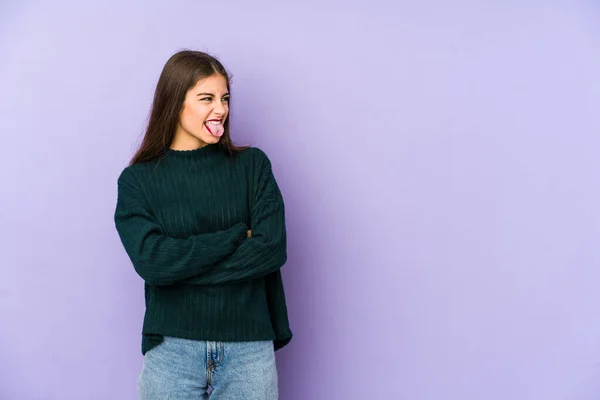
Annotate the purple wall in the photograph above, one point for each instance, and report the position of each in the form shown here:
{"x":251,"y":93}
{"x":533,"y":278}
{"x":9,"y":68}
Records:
{"x":440,"y":165}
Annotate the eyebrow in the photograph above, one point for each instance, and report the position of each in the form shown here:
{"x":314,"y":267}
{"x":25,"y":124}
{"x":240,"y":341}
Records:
{"x":210,"y":94}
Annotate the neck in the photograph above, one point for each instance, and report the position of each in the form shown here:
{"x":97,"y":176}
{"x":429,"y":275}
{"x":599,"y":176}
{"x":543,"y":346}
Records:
{"x":183,"y":142}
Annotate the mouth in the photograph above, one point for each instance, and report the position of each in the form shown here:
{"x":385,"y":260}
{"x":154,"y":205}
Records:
{"x":214,"y":127}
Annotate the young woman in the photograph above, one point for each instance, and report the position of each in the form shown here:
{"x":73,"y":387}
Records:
{"x":203,"y":224}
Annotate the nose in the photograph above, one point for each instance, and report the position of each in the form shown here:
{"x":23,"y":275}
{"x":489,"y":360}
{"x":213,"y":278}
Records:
{"x":219,"y":108}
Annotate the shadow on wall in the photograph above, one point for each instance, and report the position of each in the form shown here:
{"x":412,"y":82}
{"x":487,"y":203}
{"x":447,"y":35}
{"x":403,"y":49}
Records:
{"x":11,"y":374}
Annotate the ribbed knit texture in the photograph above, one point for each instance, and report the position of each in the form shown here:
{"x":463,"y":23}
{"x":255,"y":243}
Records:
{"x":183,"y":221}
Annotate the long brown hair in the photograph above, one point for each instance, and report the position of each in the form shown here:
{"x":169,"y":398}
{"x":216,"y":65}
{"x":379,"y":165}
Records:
{"x":181,"y":72}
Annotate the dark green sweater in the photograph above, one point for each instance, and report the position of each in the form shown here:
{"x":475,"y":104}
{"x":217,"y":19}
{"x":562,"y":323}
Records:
{"x":183,"y":222}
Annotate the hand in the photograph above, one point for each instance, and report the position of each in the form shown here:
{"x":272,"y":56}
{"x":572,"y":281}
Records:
{"x":249,"y":233}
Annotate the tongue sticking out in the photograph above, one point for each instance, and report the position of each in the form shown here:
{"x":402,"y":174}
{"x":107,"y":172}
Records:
{"x":215,"y":129}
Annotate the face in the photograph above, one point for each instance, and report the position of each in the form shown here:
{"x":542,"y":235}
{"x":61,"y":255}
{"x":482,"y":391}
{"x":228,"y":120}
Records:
{"x":203,"y":114}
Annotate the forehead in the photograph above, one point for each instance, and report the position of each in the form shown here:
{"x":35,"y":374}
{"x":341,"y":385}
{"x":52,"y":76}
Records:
{"x":213,"y":83}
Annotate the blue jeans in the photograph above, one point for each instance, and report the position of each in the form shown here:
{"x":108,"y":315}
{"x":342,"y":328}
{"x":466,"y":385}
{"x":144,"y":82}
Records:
{"x":184,"y":369}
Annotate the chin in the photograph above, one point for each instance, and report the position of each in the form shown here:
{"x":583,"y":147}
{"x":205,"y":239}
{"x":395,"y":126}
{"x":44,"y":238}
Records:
{"x":212,"y":140}
{"x":208,"y":139}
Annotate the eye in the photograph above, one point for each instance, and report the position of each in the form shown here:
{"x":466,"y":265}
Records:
{"x":206,"y":99}
{"x":226,"y":99}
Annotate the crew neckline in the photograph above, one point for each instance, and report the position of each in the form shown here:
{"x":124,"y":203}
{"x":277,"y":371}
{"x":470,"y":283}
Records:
{"x":209,"y":148}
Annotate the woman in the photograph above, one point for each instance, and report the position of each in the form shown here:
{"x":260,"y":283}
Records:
{"x":203,"y":224}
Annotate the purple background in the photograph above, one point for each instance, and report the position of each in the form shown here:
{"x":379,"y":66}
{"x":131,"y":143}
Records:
{"x":440,"y":163}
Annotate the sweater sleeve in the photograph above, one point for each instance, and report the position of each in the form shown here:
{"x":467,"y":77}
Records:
{"x":158,"y":258}
{"x":264,"y":252}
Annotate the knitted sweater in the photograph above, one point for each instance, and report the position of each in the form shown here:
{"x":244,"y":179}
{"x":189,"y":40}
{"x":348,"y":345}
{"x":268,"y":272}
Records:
{"x":183,"y":221}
